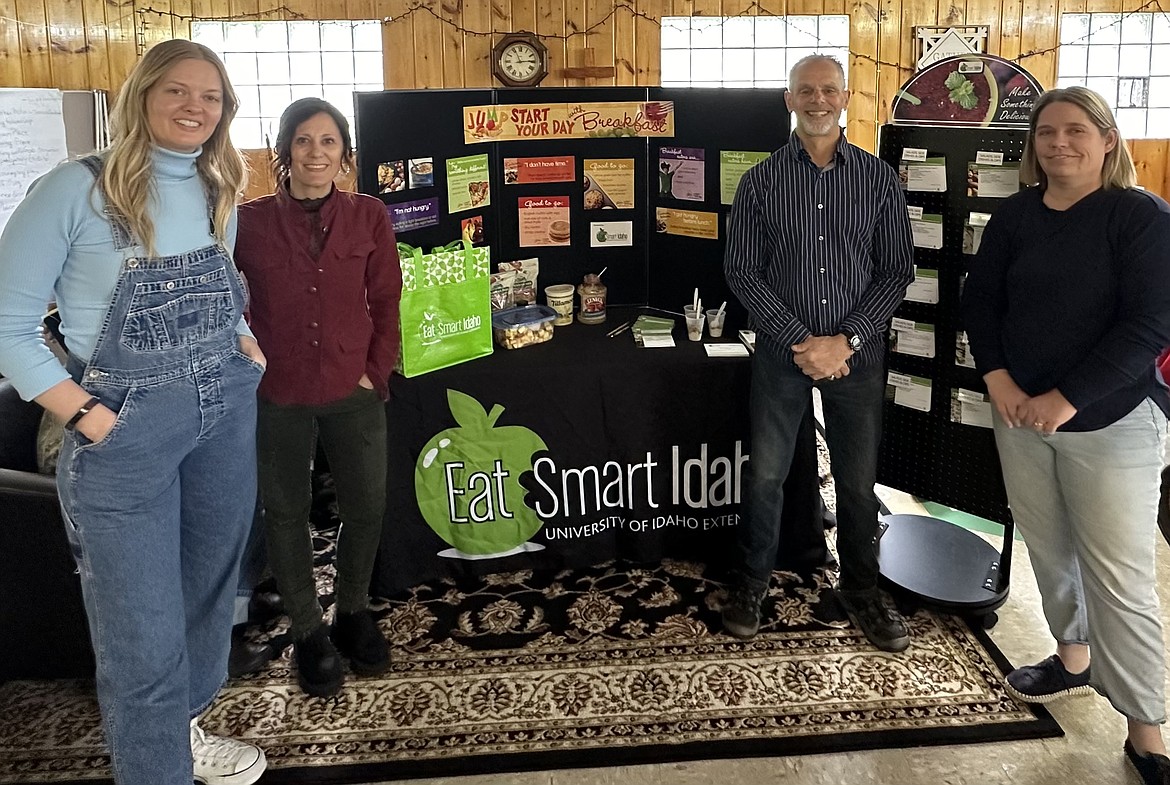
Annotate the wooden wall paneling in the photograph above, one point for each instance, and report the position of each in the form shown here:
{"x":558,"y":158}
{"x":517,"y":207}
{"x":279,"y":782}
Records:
{"x":1152,"y":159}
{"x":550,"y":21}
{"x":892,"y":33}
{"x":1011,"y":21}
{"x":428,"y":56}
{"x":36,"y":68}
{"x":398,"y":46}
{"x":66,"y":31}
{"x":987,"y":13}
{"x":648,"y":37}
{"x":451,"y":43}
{"x":96,"y":45}
{"x":477,"y":49}
{"x":914,"y":13}
{"x":1039,"y":33}
{"x":835,"y":7}
{"x":624,"y":46}
{"x":576,"y":40}
{"x":523,"y":16}
{"x":600,"y":38}
{"x":806,"y":7}
{"x":153,"y":26}
{"x":11,"y":62}
{"x":952,"y":12}
{"x":863,"y":43}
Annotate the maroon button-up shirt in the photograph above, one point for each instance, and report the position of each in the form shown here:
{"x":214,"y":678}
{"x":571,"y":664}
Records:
{"x":321,"y":322}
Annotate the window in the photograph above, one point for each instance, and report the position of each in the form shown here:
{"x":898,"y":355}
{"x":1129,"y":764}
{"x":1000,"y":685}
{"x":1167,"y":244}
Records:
{"x":271,"y":64}
{"x":1125,"y":58}
{"x":746,"y":51}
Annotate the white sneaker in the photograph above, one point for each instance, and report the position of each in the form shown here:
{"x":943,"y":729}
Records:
{"x":220,"y":761}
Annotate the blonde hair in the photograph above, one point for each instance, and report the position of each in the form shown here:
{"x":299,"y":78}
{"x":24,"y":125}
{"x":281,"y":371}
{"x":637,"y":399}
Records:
{"x":1117,"y":170}
{"x":126,"y":177}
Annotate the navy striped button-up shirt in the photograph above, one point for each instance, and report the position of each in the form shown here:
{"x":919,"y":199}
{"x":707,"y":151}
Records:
{"x":815,"y":251}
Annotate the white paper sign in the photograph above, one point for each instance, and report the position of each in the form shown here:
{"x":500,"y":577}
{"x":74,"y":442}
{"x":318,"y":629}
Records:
{"x":910,"y":391}
{"x":726,"y":350}
{"x":917,"y":340}
{"x":996,"y":182}
{"x":914,"y":212}
{"x":607,"y":233}
{"x":652,"y":341}
{"x":33,"y":130}
{"x":970,"y":408}
{"x":925,"y":287}
{"x":913,"y":153}
{"x":927,"y":232}
{"x":929,"y":176}
{"x":989,"y":158}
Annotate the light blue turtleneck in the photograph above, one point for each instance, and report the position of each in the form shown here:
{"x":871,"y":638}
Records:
{"x":58,"y":247}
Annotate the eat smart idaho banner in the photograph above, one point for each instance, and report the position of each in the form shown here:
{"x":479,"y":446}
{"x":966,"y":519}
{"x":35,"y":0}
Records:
{"x":495,"y":123}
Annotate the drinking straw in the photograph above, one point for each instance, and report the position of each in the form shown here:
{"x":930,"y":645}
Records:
{"x":695,"y":299}
{"x":603,"y":269}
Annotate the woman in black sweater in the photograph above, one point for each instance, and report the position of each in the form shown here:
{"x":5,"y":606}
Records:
{"x":1067,"y":305}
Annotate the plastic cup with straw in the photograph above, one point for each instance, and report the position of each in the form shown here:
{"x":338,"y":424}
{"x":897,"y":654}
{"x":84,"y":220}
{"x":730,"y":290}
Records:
{"x":715,"y":319}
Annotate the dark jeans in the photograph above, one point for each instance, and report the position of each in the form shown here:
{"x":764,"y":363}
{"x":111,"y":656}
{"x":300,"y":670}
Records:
{"x":853,"y":419}
{"x":352,"y":432}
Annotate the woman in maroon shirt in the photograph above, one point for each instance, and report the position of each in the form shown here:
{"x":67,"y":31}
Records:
{"x":323,"y":275}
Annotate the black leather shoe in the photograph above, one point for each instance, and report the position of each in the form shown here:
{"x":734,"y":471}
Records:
{"x":247,"y":656}
{"x":265,"y":606}
{"x":357,"y":637}
{"x":318,"y":664}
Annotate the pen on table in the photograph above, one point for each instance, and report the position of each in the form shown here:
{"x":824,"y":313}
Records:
{"x":619,"y":330}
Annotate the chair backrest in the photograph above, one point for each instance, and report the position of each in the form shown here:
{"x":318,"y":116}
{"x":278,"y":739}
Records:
{"x":19,"y":420}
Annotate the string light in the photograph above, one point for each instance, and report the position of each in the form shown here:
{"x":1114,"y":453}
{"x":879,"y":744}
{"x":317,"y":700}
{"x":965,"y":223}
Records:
{"x":752,"y":10}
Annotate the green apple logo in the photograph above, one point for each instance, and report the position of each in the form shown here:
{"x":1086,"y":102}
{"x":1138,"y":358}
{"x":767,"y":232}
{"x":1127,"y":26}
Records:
{"x":467,"y":482}
{"x":601,"y":235}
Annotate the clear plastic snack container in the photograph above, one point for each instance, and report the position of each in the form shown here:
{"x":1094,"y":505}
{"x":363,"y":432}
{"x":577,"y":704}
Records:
{"x":526,"y":325}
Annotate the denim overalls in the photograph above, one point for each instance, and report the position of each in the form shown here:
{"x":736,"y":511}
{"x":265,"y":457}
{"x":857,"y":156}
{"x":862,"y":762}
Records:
{"x":158,"y":511}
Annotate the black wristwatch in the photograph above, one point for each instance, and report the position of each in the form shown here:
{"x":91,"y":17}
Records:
{"x":853,"y":339}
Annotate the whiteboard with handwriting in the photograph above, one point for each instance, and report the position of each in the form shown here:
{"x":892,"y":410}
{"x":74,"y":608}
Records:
{"x":33,"y":131}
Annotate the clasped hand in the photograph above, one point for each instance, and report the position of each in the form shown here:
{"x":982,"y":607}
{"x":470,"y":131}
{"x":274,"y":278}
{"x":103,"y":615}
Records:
{"x":1043,"y":413}
{"x":823,"y":357}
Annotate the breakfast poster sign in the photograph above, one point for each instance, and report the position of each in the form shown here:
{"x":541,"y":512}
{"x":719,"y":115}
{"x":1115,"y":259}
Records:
{"x":544,"y":220}
{"x":499,"y":123}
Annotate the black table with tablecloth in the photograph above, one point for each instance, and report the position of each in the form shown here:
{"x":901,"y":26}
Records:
{"x":577,"y":451}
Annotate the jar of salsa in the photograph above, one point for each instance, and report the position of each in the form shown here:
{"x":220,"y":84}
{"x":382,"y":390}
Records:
{"x":592,"y":293}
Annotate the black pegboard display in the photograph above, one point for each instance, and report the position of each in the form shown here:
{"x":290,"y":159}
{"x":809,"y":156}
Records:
{"x":658,"y":269}
{"x":925,"y":453}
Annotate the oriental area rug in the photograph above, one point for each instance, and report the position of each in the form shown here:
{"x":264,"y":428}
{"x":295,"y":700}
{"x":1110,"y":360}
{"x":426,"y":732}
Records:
{"x":609,"y":665}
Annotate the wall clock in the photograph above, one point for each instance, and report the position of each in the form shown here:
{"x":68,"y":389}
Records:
{"x":520,"y":60}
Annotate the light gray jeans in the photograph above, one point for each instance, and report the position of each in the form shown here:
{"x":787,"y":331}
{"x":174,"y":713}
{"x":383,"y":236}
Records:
{"x":1086,"y":505}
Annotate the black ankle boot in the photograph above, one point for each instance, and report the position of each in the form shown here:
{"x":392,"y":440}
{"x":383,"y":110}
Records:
{"x":318,"y":664}
{"x":357,"y":637}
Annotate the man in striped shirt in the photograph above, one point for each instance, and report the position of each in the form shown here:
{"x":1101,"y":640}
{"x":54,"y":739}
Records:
{"x":819,"y":252}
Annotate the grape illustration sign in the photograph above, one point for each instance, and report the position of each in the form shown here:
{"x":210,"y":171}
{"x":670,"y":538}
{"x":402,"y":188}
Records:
{"x":467,"y":483}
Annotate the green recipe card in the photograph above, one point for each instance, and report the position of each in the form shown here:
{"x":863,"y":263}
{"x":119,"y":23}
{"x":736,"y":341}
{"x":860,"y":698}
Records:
{"x":733,"y":164}
{"x":467,"y":183}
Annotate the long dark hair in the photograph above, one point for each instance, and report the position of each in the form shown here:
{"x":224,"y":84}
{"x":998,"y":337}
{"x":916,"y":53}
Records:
{"x":298,"y":112}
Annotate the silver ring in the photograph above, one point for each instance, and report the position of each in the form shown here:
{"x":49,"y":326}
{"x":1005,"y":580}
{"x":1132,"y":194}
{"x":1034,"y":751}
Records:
{"x":833,"y":378}
{"x":1038,"y":424}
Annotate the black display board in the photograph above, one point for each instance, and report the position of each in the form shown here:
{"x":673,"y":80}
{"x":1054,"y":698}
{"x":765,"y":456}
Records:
{"x":715,"y":119}
{"x":658,"y":269}
{"x":926,"y":453}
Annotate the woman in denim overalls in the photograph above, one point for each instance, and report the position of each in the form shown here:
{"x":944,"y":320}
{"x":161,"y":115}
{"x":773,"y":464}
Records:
{"x":157,"y":472}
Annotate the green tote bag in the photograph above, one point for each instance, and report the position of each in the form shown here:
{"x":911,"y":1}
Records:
{"x":445,"y":315}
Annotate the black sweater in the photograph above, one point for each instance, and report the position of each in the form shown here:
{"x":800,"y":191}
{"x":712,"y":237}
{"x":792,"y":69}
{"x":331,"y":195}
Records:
{"x":1077,"y":300}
